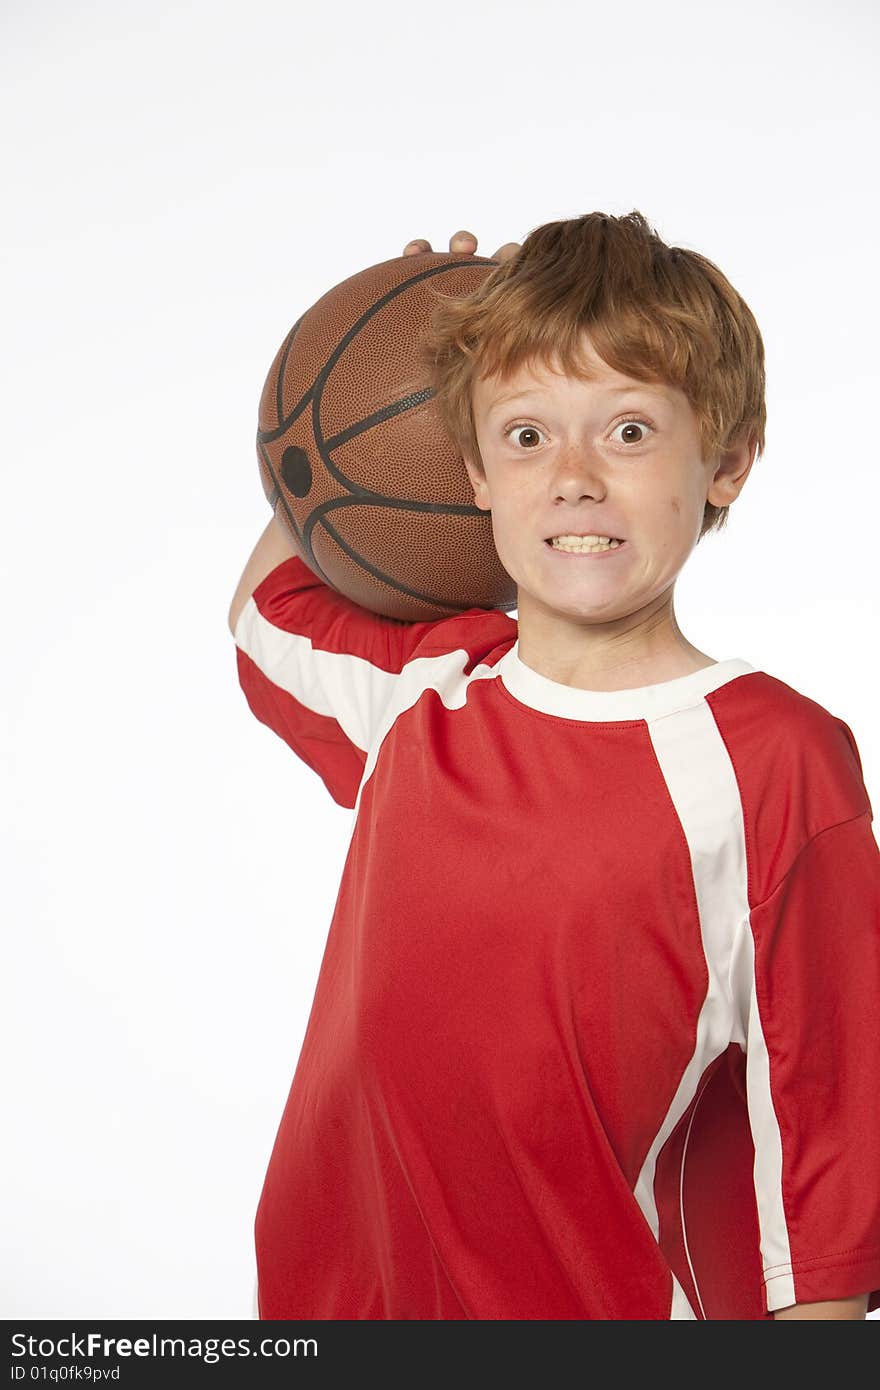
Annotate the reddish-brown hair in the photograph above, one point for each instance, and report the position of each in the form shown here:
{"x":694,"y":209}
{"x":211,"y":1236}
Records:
{"x":653,"y":312}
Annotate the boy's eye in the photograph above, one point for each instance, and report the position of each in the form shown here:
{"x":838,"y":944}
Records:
{"x":526,"y":429}
{"x":629,"y":424}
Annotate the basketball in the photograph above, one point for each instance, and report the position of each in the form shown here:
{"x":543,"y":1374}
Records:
{"x":354,"y":459}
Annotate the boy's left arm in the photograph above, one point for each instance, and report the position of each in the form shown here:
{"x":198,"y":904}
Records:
{"x":838,"y":1308}
{"x":809,"y":983}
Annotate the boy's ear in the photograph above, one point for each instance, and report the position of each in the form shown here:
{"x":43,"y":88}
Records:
{"x":478,"y":483}
{"x":732,"y":467}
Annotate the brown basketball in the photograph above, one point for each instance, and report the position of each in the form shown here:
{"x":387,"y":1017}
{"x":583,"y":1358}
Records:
{"x":353,"y":456}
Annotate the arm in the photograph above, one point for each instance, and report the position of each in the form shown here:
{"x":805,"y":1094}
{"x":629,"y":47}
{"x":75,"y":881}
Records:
{"x":314,"y":667}
{"x":324,"y":672}
{"x":856,"y":1307}
{"x":810,"y":979}
{"x":274,"y":545}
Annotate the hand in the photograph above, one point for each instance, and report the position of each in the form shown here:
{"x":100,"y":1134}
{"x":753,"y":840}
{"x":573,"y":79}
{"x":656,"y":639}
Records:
{"x":462,"y":242}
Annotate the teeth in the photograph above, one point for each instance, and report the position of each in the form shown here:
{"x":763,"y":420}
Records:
{"x":582,"y":538}
{"x":584,"y":543}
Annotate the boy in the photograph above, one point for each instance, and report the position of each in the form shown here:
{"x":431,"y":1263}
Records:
{"x":594,"y":1035}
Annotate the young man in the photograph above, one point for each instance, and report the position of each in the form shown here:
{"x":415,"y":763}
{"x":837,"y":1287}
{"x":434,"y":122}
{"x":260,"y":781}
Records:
{"x":584,"y":1039}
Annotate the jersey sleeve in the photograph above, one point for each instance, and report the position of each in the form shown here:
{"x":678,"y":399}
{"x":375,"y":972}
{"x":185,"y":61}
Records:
{"x":813,"y":1070}
{"x":320,"y":670}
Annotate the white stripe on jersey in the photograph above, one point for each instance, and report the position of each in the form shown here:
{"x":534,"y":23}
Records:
{"x":347,"y":688}
{"x":443,"y":673}
{"x":775,"y":1249}
{"x":702,"y":784}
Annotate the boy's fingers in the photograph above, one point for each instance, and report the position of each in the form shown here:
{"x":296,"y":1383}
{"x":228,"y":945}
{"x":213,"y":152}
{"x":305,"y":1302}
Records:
{"x":459,"y":241}
{"x":463,"y":241}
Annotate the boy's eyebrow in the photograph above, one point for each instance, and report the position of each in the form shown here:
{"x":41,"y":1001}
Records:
{"x":637,"y":390}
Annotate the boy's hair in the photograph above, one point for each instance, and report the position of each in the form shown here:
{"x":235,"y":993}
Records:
{"x":653,"y":312}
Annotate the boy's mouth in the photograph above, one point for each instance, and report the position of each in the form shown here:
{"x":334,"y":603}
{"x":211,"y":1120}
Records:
{"x":585,"y":545}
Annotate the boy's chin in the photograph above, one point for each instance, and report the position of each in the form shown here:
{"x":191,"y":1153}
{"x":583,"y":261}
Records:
{"x":549,"y":604}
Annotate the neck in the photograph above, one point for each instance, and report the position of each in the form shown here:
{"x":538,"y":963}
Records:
{"x":642,"y":648}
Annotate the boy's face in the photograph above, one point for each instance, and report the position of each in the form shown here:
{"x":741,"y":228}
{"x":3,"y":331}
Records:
{"x":573,"y":464}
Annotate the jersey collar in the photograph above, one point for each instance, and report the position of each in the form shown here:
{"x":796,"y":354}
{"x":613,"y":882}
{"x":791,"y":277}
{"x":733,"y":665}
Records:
{"x":641,"y":702}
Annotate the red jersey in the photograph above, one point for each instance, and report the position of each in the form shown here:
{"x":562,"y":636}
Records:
{"x":595,"y":1033}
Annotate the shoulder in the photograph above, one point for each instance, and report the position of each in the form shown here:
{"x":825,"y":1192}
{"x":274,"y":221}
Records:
{"x":797,"y":768}
{"x":484,"y":634}
{"x":803,"y":730}
{"x":772,"y":723}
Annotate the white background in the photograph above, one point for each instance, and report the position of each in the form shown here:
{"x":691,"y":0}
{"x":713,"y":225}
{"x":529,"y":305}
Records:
{"x":180,"y":182}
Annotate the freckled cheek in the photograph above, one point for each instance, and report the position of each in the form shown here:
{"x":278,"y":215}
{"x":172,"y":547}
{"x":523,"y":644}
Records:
{"x":675,"y":529}
{"x":507,"y":529}
{"x":683,"y":519}
{"x":663,"y":528}
{"x":514,"y":514}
